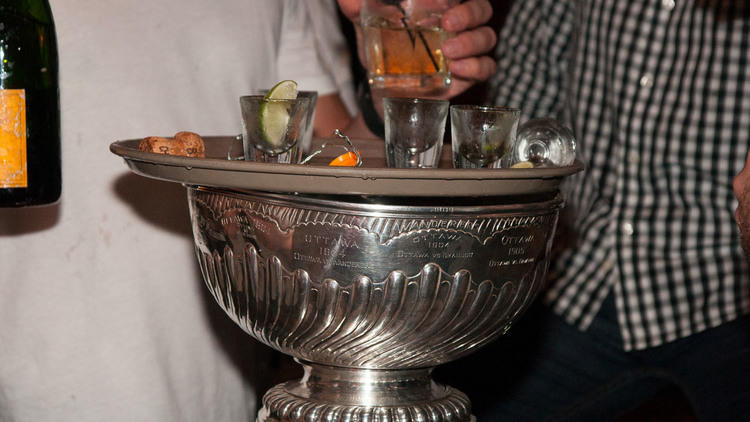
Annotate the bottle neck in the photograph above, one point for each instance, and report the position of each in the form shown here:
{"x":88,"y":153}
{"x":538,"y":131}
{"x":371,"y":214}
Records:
{"x":38,"y":10}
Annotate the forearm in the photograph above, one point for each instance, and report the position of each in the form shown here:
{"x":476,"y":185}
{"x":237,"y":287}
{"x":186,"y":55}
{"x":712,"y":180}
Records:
{"x":330,"y":114}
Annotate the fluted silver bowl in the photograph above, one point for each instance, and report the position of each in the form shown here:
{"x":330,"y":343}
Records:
{"x":370,"y":294}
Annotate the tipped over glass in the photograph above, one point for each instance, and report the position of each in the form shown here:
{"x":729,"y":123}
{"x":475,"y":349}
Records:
{"x":544,"y":142}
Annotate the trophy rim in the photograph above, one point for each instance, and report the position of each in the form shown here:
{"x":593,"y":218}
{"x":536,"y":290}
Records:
{"x":363,"y":205}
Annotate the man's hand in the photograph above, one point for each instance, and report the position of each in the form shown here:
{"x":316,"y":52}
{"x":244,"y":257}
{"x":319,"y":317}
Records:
{"x":742,"y":214}
{"x":351,"y":9}
{"x":467,"y":51}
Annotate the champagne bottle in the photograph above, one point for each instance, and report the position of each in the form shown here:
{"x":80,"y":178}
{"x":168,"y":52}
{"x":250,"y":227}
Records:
{"x":29,"y":105}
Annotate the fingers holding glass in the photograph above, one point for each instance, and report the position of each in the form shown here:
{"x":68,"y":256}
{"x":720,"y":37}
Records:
{"x":467,"y":15}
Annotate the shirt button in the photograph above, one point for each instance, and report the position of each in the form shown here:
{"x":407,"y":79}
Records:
{"x":633,"y":158}
{"x":668,"y":4}
{"x":647,"y":81}
{"x":607,"y":264}
{"x":627,"y":229}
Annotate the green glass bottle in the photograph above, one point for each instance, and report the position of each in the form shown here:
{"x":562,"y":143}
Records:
{"x":30,"y":171}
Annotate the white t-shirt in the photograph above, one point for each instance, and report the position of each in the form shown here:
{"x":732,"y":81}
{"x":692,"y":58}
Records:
{"x":321,"y":60}
{"x":103,"y":314}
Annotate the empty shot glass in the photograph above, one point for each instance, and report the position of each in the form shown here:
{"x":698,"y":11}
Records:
{"x":482,"y":136}
{"x":273,"y":130}
{"x":544,"y":142}
{"x":307,"y":138}
{"x":414,"y":130}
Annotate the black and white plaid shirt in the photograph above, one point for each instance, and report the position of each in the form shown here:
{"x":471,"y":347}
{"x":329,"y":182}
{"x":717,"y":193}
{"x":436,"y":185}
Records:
{"x":658,"y":95}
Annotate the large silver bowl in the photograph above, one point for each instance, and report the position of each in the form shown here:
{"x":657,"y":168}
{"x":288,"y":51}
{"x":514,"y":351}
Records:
{"x":369,"y":277}
{"x":349,"y":285}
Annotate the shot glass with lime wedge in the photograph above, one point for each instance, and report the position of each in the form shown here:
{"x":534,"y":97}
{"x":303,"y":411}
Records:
{"x":273,"y":125}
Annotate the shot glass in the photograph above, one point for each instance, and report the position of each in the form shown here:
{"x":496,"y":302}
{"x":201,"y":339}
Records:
{"x":273,"y":130}
{"x":482,"y":136}
{"x":307,"y":139}
{"x":414,"y":130}
{"x":544,"y":142}
{"x":403,"y":46}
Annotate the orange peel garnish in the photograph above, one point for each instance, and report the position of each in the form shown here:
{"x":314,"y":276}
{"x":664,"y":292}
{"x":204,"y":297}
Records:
{"x":347,"y":159}
{"x":351,"y":158}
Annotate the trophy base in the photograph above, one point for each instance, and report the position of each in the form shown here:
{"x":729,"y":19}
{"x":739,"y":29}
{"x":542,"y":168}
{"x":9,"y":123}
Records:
{"x":334,"y":394}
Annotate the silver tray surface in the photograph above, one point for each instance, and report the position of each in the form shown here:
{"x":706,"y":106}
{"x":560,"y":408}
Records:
{"x":373,"y":178}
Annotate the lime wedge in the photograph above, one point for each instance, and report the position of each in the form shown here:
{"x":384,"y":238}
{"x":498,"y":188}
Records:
{"x":284,"y":90}
{"x":274,"y":116}
{"x":523,"y":165}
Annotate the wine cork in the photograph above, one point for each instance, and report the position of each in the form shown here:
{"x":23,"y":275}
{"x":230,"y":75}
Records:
{"x":192,"y":144}
{"x":187,"y":144}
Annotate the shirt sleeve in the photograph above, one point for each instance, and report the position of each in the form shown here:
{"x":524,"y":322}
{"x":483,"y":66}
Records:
{"x":333,"y":49}
{"x":298,"y":56}
{"x":532,"y":56}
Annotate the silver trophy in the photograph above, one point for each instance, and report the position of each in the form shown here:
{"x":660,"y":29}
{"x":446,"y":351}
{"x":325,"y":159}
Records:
{"x":369,"y":293}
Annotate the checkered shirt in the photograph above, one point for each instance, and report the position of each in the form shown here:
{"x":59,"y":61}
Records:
{"x":658,"y":95}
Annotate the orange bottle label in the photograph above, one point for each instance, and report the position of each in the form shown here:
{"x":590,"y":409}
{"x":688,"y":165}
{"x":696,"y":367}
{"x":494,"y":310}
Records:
{"x":13,"y":139}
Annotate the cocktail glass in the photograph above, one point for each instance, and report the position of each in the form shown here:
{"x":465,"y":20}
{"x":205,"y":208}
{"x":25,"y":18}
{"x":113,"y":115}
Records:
{"x":403,"y":46}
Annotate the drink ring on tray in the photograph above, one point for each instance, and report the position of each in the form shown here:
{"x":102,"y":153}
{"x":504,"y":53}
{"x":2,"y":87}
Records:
{"x":351,"y":158}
